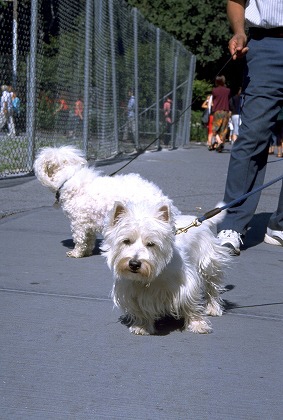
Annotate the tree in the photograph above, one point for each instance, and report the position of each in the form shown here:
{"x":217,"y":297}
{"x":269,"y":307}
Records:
{"x":202,"y":26}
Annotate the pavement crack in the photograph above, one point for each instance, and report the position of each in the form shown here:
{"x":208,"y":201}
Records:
{"x":58,"y":295}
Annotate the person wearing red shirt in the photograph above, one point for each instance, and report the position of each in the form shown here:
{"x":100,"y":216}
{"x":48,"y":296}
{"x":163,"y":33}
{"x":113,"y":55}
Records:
{"x":220,"y":108}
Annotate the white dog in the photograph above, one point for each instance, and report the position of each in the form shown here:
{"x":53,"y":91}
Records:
{"x":85,"y":195}
{"x":157,"y":273}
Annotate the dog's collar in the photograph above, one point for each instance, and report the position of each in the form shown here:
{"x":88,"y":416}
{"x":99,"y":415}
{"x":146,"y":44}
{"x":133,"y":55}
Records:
{"x":57,"y":196}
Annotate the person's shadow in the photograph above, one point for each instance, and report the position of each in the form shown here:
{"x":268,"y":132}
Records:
{"x":256,"y":231}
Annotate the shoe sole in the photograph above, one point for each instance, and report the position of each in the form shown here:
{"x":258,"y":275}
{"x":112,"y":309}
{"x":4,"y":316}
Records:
{"x":232,"y":249}
{"x":273,"y":240}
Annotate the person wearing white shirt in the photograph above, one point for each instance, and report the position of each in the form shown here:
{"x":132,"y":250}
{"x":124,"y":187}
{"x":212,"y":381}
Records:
{"x":258,"y":37}
{"x":6,"y":113}
{"x":130,"y":125}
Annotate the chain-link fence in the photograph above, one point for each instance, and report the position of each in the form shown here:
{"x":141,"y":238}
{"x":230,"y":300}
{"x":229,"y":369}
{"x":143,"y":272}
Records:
{"x":93,"y":73}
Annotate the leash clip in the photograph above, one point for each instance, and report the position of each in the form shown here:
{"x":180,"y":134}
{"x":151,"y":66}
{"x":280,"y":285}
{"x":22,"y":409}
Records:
{"x":194,"y":223}
{"x":57,"y":204}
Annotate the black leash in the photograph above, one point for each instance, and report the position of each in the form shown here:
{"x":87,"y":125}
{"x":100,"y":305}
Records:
{"x":198,"y":221}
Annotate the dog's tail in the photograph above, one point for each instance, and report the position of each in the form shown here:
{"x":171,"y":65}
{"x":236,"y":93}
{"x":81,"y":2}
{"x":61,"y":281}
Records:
{"x":54,"y":165}
{"x":218,"y":217}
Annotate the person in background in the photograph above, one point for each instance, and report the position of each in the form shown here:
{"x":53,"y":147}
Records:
{"x":167,"y":111}
{"x":207,"y":104}
{"x":6,"y":112}
{"x":235,"y":106}
{"x":220,"y":109}
{"x":16,"y":103}
{"x":262,"y":101}
{"x":130,"y":125}
{"x":77,"y":118}
{"x":279,"y":133}
{"x":62,"y":113}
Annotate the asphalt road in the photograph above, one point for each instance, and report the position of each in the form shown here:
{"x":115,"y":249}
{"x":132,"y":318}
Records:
{"x":64,"y":352}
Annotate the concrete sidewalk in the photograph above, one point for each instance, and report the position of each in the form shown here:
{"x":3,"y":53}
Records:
{"x":64,"y":353}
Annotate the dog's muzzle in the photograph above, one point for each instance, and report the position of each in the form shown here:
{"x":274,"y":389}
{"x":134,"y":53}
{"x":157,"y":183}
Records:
{"x":134,"y":265}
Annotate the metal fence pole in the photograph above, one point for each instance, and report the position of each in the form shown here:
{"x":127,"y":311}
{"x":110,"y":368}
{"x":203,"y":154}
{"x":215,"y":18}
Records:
{"x":30,"y":129}
{"x":15,"y":42}
{"x":113,"y":71}
{"x":102,"y":135}
{"x":188,"y":113}
{"x":157,"y":120}
{"x":88,"y":32}
{"x":136,"y":75}
{"x":174,"y":105}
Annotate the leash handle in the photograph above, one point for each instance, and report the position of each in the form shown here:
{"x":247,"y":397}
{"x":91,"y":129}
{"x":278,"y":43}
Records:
{"x":210,"y":214}
{"x":217,"y":210}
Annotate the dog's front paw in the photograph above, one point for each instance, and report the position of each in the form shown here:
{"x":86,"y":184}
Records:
{"x":200,"y":326}
{"x":140,"y":330}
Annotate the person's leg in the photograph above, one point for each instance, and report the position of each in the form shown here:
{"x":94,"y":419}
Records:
{"x":209,"y":132}
{"x":263,"y":93}
{"x":223,"y":129}
{"x":3,"y":120}
{"x":235,"y":121}
{"x":126,"y":130}
{"x":11,"y":125}
{"x":279,"y":139}
{"x":276,"y":220}
{"x":215,"y":123}
{"x":274,"y":232}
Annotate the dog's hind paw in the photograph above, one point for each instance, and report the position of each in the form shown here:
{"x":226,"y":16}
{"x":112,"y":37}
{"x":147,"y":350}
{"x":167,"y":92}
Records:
{"x":213,"y":309}
{"x":140,"y":330}
{"x":200,"y":326}
{"x":76,"y":253}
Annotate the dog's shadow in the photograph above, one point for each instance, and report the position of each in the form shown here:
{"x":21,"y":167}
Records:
{"x":163,"y":326}
{"x":68,"y":243}
{"x":169,"y":324}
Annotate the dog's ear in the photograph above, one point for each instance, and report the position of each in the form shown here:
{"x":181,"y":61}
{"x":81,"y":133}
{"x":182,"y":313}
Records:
{"x":50,"y":169}
{"x":164,"y":213}
{"x":118,"y":212}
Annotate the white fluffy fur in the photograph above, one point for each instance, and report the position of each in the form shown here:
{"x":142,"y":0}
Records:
{"x":86,"y":196}
{"x":158,"y":273}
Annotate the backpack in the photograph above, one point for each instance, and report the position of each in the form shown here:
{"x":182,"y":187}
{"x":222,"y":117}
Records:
{"x":205,"y":117}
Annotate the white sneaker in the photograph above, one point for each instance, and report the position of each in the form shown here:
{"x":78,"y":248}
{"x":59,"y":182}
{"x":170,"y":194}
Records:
{"x":231,"y":239}
{"x":274,"y":237}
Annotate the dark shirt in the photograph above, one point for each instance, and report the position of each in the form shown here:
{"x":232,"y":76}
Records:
{"x":234,"y":104}
{"x":221,"y":96}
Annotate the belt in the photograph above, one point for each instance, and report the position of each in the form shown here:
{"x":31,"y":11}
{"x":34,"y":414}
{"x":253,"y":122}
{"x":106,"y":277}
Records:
{"x":259,"y":33}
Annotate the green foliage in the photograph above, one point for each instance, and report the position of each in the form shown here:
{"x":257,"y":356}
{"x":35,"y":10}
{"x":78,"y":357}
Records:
{"x":13,"y":155}
{"x":201,"y":26}
{"x":45,"y":111}
{"x":201,"y":88}
{"x":198,"y":131}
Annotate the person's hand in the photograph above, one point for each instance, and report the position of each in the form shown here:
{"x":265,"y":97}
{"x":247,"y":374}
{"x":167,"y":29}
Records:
{"x":237,"y":45}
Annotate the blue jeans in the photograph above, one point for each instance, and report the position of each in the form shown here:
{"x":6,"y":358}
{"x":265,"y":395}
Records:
{"x":262,"y":100}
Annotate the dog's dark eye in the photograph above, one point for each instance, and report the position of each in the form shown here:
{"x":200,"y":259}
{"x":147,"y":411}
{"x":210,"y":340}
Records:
{"x":149,"y":244}
{"x":126,"y":242}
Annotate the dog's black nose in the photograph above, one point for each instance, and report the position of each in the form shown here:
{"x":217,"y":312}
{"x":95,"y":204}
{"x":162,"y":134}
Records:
{"x":134,"y":265}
